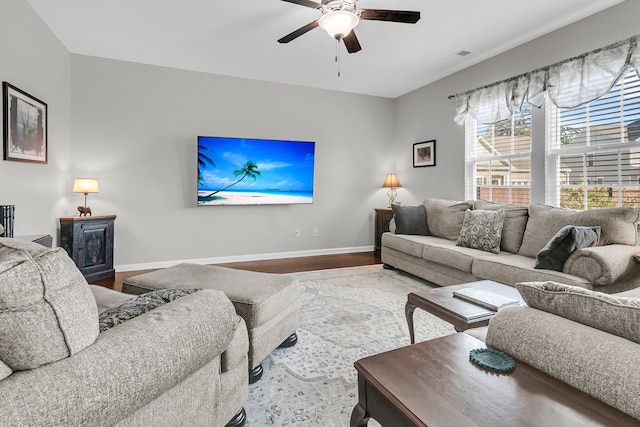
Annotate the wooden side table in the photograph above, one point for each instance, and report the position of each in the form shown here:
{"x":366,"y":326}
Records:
{"x":89,"y":242}
{"x":383,"y":217}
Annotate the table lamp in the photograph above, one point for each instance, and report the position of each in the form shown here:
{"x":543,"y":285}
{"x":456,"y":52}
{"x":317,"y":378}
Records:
{"x":391,"y":182}
{"x":86,"y":186}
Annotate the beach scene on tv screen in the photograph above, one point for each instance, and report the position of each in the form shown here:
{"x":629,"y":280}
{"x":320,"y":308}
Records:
{"x":238,"y":171}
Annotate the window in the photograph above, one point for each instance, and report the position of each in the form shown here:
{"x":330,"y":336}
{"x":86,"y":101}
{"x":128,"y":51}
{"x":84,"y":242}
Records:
{"x":591,"y":154}
{"x":498,"y":159}
{"x":593,"y":151}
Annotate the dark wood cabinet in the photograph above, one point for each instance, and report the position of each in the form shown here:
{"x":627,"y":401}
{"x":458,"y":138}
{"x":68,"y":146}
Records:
{"x":89,"y":242}
{"x":383,"y":217}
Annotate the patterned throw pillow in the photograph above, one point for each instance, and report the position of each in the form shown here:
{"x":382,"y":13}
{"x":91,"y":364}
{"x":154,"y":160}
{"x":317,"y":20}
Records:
{"x":482,"y":230}
{"x":143,"y":303}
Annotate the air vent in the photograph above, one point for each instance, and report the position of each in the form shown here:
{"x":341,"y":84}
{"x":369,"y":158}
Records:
{"x":463,"y":53}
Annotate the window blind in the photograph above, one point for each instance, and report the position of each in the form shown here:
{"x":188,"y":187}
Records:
{"x":593,"y":157}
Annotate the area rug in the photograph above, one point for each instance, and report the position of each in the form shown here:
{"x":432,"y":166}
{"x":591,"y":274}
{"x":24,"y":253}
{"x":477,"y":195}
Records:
{"x":347,"y":314}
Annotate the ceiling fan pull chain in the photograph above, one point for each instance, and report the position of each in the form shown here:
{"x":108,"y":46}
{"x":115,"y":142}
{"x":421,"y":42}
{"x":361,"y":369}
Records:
{"x":338,"y":54}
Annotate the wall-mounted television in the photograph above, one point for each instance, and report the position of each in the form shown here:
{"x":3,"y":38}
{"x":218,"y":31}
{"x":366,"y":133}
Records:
{"x":243,"y":171}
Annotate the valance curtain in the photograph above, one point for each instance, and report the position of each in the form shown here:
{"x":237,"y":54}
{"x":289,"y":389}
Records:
{"x":568,"y":84}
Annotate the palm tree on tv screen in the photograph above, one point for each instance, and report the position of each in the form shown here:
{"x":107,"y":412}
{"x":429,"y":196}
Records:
{"x":203,"y":160}
{"x":250,"y":169}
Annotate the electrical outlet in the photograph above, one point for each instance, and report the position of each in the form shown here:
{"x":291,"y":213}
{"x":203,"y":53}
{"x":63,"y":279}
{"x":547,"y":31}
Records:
{"x":296,"y":232}
{"x":315,"y":232}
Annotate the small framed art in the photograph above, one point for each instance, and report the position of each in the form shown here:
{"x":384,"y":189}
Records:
{"x":424,"y":154}
{"x":25,"y":126}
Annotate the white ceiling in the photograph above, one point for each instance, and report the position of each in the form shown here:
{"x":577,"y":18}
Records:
{"x":238,"y":37}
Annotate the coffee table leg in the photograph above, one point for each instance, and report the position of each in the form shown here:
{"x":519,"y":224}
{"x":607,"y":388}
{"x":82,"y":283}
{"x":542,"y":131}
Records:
{"x":359,"y":416}
{"x":408,"y":312}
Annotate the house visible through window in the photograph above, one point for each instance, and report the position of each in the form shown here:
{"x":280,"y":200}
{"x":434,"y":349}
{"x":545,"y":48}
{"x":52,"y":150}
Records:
{"x":498,"y":159}
{"x":593,"y":151}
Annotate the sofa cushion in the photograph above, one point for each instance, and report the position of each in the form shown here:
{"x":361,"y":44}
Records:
{"x":515,"y":222}
{"x":446,"y":252}
{"x":47,"y":311}
{"x":429,"y":270}
{"x":410,"y":220}
{"x":616,"y":315}
{"x":565,"y":242}
{"x":617,"y":225}
{"x":409,"y":244}
{"x":445,"y":217}
{"x":141,"y":304}
{"x":482,"y":230}
{"x":511,"y":268}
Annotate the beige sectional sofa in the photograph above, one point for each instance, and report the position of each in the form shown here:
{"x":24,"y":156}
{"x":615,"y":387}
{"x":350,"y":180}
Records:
{"x":608,"y":267}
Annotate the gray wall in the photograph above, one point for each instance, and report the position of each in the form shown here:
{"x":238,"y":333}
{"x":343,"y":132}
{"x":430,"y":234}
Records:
{"x":33,"y":60}
{"x":426,"y":113}
{"x":135,"y":128}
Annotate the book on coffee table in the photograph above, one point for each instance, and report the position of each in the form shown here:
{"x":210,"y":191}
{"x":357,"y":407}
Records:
{"x":485,"y":298}
{"x":476,"y":316}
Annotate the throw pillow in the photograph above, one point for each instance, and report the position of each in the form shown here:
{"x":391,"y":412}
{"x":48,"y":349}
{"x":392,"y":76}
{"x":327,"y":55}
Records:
{"x":47,"y":311}
{"x":482,"y":230}
{"x":515,"y":222}
{"x":140,"y":305}
{"x":445,"y":217}
{"x":613,"y":314}
{"x":563,"y":244}
{"x":410,"y":220}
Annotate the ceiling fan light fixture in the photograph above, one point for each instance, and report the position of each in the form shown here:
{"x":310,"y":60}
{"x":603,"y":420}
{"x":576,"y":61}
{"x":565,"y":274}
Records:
{"x":338,"y":23}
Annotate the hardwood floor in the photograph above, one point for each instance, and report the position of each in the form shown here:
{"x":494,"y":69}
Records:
{"x":287,"y":265}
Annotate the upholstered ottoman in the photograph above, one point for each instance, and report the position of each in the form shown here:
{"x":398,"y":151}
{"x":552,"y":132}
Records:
{"x":269,"y":303}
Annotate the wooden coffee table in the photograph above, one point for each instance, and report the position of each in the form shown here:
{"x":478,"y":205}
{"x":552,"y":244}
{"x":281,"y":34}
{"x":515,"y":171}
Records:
{"x":461,"y":314}
{"x":434,"y":384}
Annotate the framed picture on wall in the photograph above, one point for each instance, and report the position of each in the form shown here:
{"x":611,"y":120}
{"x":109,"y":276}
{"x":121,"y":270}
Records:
{"x":25,"y":126}
{"x":424,"y":154}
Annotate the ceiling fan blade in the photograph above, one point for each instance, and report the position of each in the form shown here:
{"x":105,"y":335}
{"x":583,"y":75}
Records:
{"x":307,"y":3}
{"x":351,"y":42}
{"x":404,"y":16}
{"x":300,"y":31}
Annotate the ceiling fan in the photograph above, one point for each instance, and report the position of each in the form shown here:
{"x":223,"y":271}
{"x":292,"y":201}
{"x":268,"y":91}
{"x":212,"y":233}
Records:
{"x":339,"y":18}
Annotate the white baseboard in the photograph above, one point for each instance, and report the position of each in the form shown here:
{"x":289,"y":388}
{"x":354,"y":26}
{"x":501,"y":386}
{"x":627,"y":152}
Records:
{"x":242,"y":258}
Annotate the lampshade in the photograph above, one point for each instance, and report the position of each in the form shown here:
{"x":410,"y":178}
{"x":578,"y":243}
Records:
{"x":391,"y":181}
{"x":85,"y":185}
{"x":339,"y":23}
